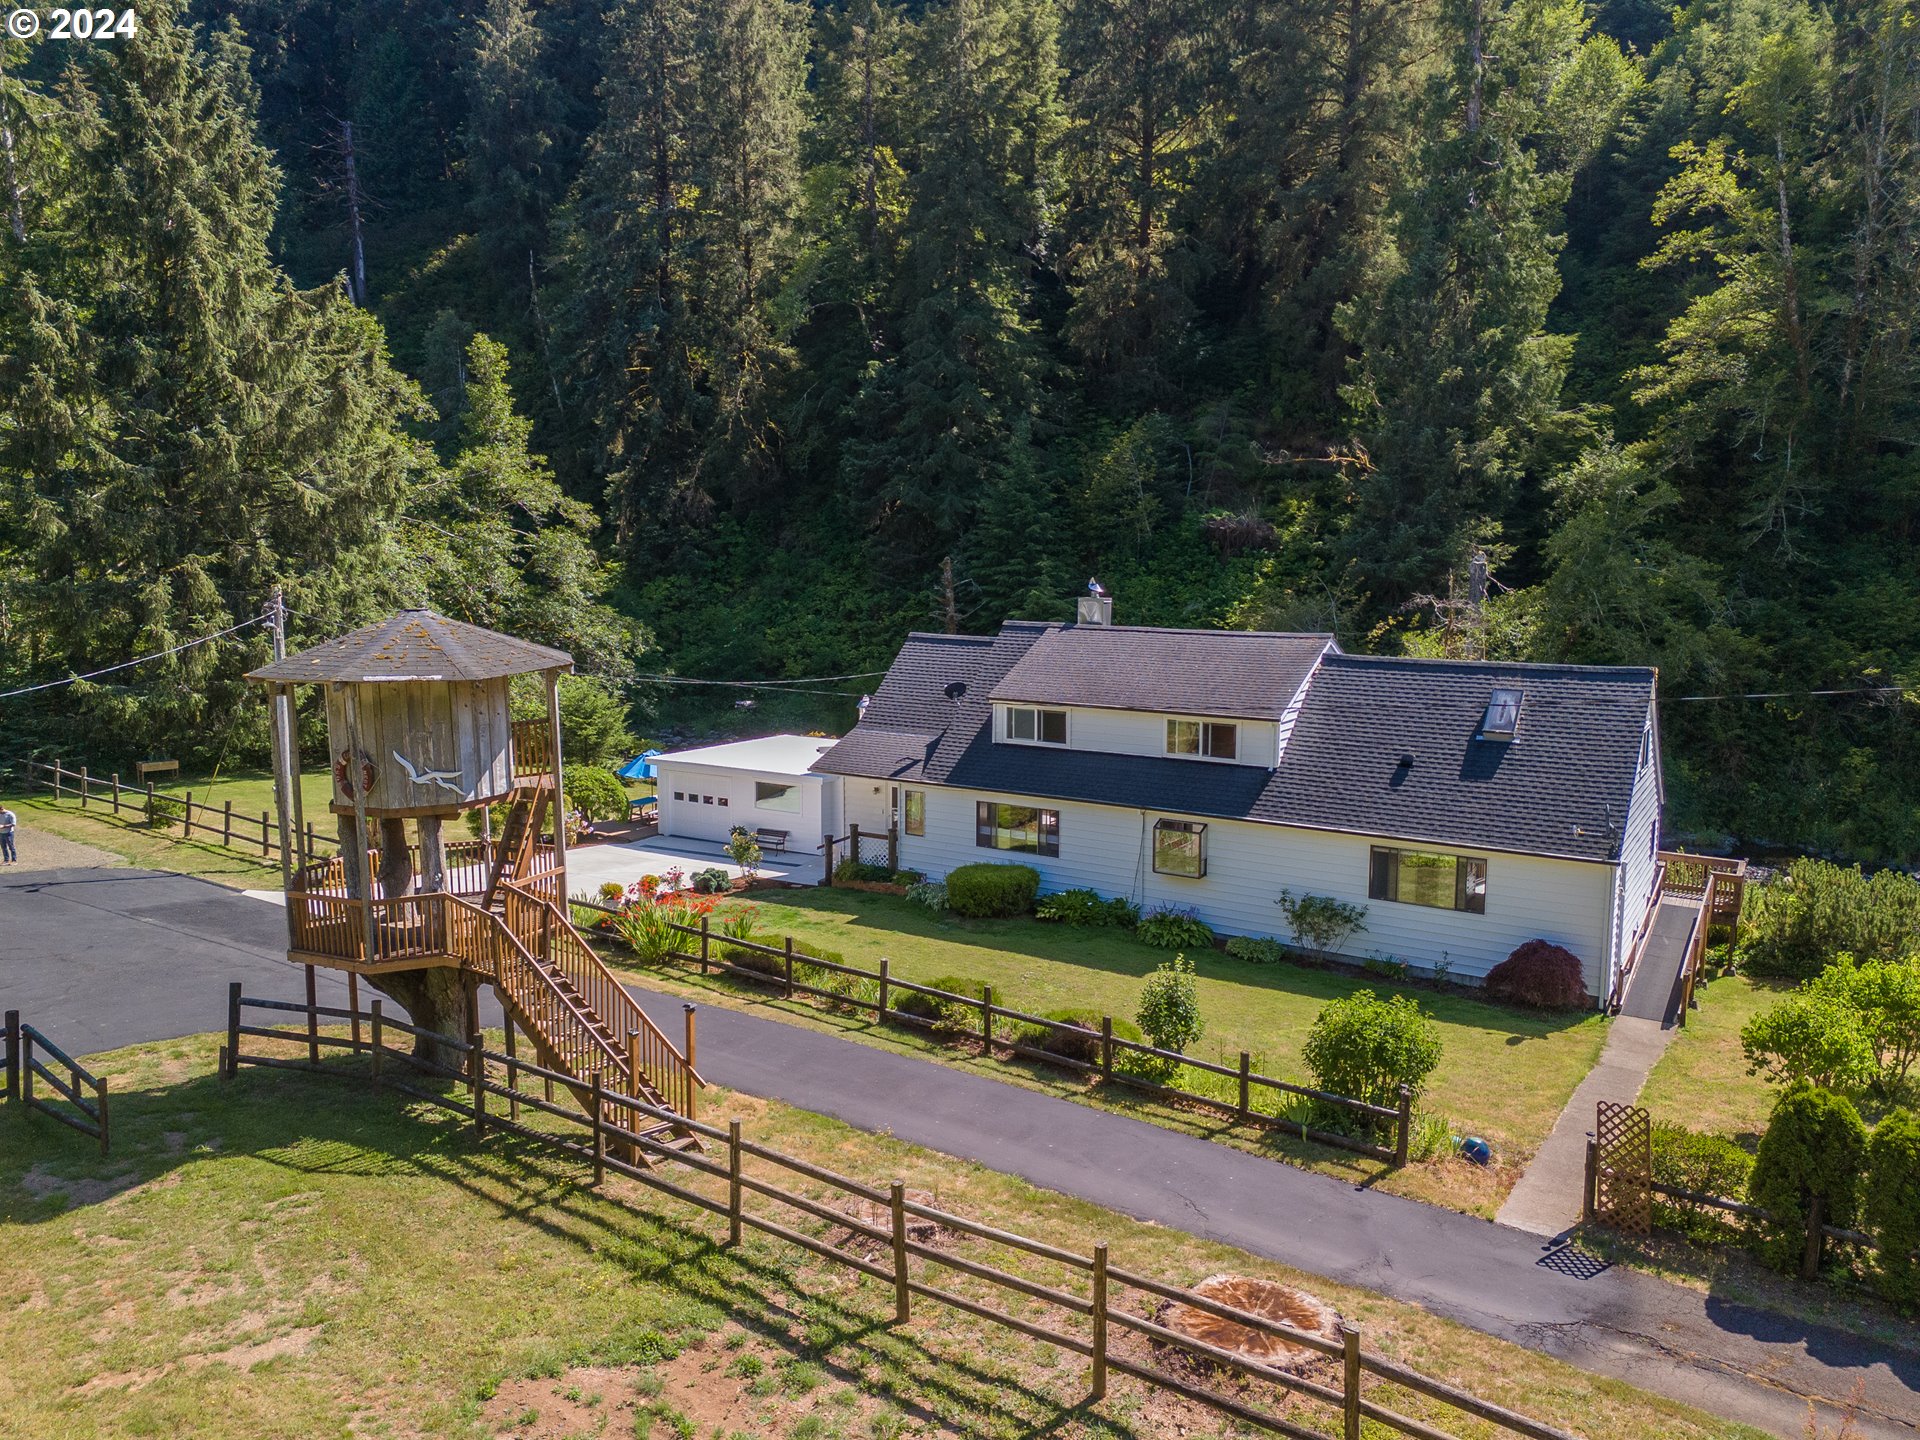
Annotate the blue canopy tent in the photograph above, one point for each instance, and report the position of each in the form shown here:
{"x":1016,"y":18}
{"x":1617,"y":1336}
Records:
{"x":639,"y":768}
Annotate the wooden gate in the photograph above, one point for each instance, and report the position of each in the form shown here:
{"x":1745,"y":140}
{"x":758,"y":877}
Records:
{"x":1620,"y":1168}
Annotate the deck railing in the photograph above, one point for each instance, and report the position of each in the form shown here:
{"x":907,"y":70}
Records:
{"x":532,"y":748}
{"x":1686,"y":874}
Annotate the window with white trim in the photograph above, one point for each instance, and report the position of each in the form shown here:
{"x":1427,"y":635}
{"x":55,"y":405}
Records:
{"x":1180,"y":848}
{"x":768,"y":795}
{"x":1209,"y":738}
{"x":1036,"y":726}
{"x":914,"y":811}
{"x":1016,"y":827}
{"x":1429,"y":877}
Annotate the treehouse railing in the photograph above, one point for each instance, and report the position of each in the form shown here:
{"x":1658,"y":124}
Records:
{"x":532,"y":748}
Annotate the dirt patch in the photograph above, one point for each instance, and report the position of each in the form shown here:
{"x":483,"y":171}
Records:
{"x":38,"y":1183}
{"x":879,"y":1216}
{"x":241,"y":1357}
{"x":43,"y":850}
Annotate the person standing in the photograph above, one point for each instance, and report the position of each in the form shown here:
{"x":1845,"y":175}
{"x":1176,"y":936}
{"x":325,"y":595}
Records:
{"x":7,"y":821}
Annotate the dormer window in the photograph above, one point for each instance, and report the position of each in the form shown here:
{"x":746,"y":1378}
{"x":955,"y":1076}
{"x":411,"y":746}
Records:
{"x":1203,"y":737}
{"x":1502,"y":720}
{"x":1036,"y":726}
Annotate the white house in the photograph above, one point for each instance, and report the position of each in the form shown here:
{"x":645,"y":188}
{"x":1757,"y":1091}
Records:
{"x":1469,"y":806}
{"x":763,"y":784}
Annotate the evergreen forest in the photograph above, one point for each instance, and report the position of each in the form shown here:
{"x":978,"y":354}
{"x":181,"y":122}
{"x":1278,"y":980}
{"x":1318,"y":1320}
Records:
{"x":733,"y":339}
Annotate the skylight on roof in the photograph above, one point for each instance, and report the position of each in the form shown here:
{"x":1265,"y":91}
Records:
{"x":1503,"y":715}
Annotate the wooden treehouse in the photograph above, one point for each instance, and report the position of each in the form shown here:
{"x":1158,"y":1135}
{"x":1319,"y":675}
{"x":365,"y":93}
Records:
{"x":419,"y":734}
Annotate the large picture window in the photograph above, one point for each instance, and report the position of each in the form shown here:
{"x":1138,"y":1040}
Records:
{"x":769,"y":796}
{"x":1042,"y":727}
{"x":914,"y":811}
{"x":1203,"y":737}
{"x":1429,"y":877}
{"x":1016,"y":827}
{"x":1180,"y":848}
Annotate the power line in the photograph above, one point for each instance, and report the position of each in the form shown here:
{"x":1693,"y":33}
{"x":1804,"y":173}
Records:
{"x":128,"y":664}
{"x":1792,"y":694}
{"x":761,"y":684}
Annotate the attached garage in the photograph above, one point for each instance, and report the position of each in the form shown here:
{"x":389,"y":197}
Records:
{"x":759,"y":784}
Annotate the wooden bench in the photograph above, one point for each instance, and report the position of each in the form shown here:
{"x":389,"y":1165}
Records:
{"x":775,"y":840}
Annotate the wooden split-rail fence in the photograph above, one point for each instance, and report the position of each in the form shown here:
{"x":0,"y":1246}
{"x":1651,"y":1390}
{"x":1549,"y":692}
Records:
{"x":999,"y":1027}
{"x":1091,"y":1302}
{"x":27,"y":1055}
{"x":141,"y":804}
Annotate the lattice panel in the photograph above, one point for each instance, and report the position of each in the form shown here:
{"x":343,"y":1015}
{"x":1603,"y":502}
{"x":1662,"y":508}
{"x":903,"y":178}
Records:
{"x":1623,"y":1188}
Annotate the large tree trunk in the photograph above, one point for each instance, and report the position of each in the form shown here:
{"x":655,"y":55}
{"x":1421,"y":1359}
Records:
{"x":439,"y":1000}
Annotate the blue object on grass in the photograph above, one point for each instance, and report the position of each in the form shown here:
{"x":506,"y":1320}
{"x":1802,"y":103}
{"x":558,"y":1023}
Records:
{"x":1476,"y":1150}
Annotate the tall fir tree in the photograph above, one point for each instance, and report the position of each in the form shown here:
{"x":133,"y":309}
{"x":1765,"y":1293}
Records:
{"x":182,"y":430}
{"x":514,"y":139}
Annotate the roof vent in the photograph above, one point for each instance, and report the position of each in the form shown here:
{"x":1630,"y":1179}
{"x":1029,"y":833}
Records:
{"x":1502,"y":720}
{"x":1096,"y":606}
{"x":1406,"y":762}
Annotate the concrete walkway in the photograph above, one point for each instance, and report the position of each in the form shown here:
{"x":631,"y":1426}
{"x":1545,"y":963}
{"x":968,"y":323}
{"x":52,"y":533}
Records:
{"x":114,"y":955}
{"x":1548,"y":1199}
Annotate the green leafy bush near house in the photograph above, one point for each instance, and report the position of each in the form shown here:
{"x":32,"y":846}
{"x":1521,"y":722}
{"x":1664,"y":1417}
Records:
{"x":1706,"y":1165}
{"x":1813,"y":1037}
{"x":1080,"y":1041}
{"x":1367,"y":1048}
{"x":1169,"y":1012}
{"x":595,"y":794}
{"x":1087,"y":907}
{"x":1321,"y":925}
{"x":1797,"y":925}
{"x":1257,"y":949}
{"x":987,"y":891}
{"x":851,"y":871}
{"x":946,"y":1013}
{"x":1890,"y":1208}
{"x":930,"y":893}
{"x":712,"y":881}
{"x":1174,"y":928}
{"x":1815,"y":1145}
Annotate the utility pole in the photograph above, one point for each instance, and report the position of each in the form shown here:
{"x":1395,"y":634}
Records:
{"x":285,"y":756}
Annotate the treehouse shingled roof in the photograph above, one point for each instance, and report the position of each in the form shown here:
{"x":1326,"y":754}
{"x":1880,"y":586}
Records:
{"x":415,"y":645}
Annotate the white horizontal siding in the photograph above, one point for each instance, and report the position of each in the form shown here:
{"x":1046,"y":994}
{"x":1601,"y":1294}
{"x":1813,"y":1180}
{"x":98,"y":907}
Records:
{"x":1140,"y":732}
{"x":1638,"y":865}
{"x":1109,"y":850}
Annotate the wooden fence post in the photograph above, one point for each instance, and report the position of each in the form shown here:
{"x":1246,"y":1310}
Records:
{"x":902,"y":1296}
{"x":313,"y":1021}
{"x":599,"y":1132}
{"x":1106,"y":1048}
{"x":826,"y":844}
{"x":186,"y":817}
{"x":880,"y":1010}
{"x":986,"y":1019}
{"x":57,"y":794}
{"x":233,"y":1029}
{"x":226,"y":823}
{"x":477,"y":1081}
{"x":688,"y":1007}
{"x":893,"y":847}
{"x":634,"y":1153}
{"x":733,"y":1182}
{"x":100,"y":1099}
{"x":377,"y":1022}
{"x":150,"y":805}
{"x":513,"y":1073}
{"x":1590,"y":1188}
{"x":1100,"y":1321}
{"x":353,"y":1004}
{"x":853,"y":843}
{"x":266,"y":823}
{"x":789,"y":962}
{"x":706,"y":941}
{"x":1350,"y":1379}
{"x":13,"y":1054}
{"x":1404,"y":1144}
{"x":1810,"y":1260}
{"x":116,"y":792}
{"x":83,"y":787}
{"x":1246,"y":1084}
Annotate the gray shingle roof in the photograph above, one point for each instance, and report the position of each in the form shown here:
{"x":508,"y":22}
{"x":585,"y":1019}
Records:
{"x":1561,"y":787}
{"x":416,"y":645}
{"x":1242,"y":673}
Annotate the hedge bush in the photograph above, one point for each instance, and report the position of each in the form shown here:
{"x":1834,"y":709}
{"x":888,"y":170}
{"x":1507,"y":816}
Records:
{"x":1541,"y":975}
{"x":1891,"y":1206}
{"x":595,"y":794}
{"x":1367,"y":1048}
{"x":947,"y":1014}
{"x":1796,"y":925}
{"x":987,"y":891}
{"x":1088,"y":908}
{"x":1705,"y":1164}
{"x":1814,"y":1145}
{"x":1257,"y":949}
{"x":1080,"y":1042}
{"x":1807,"y":1036}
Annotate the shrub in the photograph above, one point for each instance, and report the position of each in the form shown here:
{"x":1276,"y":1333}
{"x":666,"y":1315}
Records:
{"x":744,"y":849}
{"x":1080,"y":1041}
{"x":1704,"y":1164}
{"x":1891,"y":1206}
{"x":1386,"y":967}
{"x":1173,"y":928}
{"x":930,"y":893}
{"x":1885,"y":998}
{"x":613,"y":895}
{"x":714,"y":881}
{"x":1814,"y":1145}
{"x":865,"y":872}
{"x":1796,"y":925}
{"x":1367,"y":1048}
{"x":1542,"y":975}
{"x":944,"y":1013}
{"x":1086,"y":907}
{"x":165,"y":811}
{"x":1169,"y":1012}
{"x":743,"y":924}
{"x":1256,"y":949}
{"x":1809,"y":1036}
{"x":595,"y":794}
{"x":1320,"y":923}
{"x":987,"y":891}
{"x":647,"y":923}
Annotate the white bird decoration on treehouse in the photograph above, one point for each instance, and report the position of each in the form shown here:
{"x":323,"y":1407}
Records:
{"x":445,"y":779}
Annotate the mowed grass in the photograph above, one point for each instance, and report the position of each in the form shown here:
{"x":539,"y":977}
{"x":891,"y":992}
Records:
{"x":1504,"y":1074}
{"x":295,"y":1256}
{"x":128,"y":837}
{"x":1702,"y":1081}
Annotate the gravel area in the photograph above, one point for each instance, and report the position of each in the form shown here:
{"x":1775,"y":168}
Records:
{"x":43,"y":850}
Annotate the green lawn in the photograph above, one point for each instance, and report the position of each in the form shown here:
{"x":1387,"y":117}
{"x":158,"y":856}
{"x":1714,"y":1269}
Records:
{"x":289,"y":1256}
{"x":1505,"y":1074}
{"x":1702,"y":1080}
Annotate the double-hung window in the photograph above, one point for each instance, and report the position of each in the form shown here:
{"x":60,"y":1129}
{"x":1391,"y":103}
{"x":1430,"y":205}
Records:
{"x":1040,"y":727}
{"x":1429,"y":877}
{"x":1180,"y":848}
{"x":1016,"y":827}
{"x":1203,"y":737}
